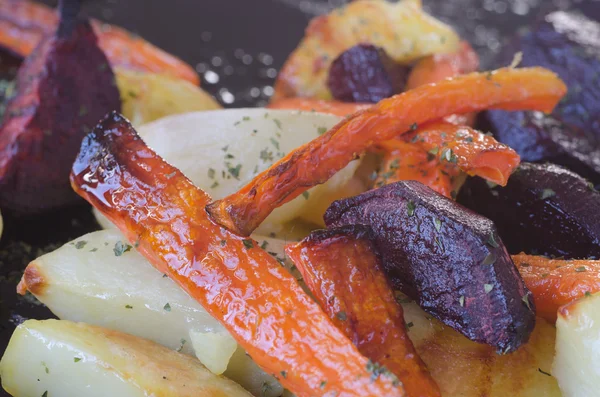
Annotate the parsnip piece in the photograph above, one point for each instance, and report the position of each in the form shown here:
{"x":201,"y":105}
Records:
{"x":62,"y":358}
{"x":101,"y":280}
{"x":222,"y":150}
{"x":467,"y":369}
{"x":146,"y":97}
{"x":577,"y":360}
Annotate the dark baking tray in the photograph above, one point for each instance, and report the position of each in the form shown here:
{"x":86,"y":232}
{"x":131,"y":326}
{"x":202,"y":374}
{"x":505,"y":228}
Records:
{"x":244,"y":42}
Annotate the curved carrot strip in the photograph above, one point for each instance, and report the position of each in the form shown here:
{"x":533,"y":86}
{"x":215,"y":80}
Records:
{"x":24,"y":23}
{"x":337,"y":108}
{"x":410,"y":162}
{"x":236,"y":281}
{"x":317,"y":161}
{"x":342,"y":270}
{"x":557,"y":282}
{"x":473,"y":152}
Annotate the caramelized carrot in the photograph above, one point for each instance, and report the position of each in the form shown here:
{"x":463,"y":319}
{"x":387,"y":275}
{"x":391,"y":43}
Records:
{"x":342,"y":270}
{"x":236,"y":281}
{"x":556,"y":282}
{"x":316,"y":161}
{"x":337,"y":108}
{"x":438,"y":67}
{"x":407,"y":161}
{"x":24,"y":23}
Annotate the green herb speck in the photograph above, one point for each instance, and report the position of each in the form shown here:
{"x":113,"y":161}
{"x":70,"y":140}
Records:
{"x":167,"y":307}
{"x":488,"y":288}
{"x":121,"y":248}
{"x":80,"y":244}
{"x":248,"y":243}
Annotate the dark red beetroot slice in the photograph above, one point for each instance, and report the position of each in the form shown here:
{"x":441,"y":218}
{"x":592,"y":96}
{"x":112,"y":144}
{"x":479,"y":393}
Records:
{"x":568,"y":43}
{"x":447,"y":258}
{"x":365,"y":73}
{"x":544,"y":209}
{"x":63,"y":89}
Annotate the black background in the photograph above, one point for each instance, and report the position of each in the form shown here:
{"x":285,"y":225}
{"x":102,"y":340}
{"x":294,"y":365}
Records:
{"x":250,"y":40}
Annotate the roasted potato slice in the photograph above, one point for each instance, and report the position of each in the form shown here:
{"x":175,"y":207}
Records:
{"x":100,"y":279}
{"x":62,"y":358}
{"x":146,"y":96}
{"x":401,"y":28}
{"x":577,"y":361}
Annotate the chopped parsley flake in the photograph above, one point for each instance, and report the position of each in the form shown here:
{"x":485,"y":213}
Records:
{"x":437,"y":223}
{"x":323,"y":384}
{"x":448,"y":155}
{"x":547,"y":193}
{"x":410,"y":325}
{"x":223,"y":242}
{"x":588,"y":294}
{"x":211,"y":173}
{"x":128,"y":307}
{"x":182,"y":343}
{"x":80,"y":244}
{"x":488,"y":288}
{"x":214,"y":185}
{"x":266,"y":155}
{"x":121,"y":248}
{"x":434,"y":151}
{"x":580,"y":269}
{"x":46,"y":369}
{"x":167,"y":307}
{"x":414,"y":126}
{"x":492,"y":241}
{"x":525,"y":300}
{"x":76,"y":359}
{"x":321,"y":130}
{"x":305,"y":195}
{"x":410,"y":206}
{"x":235,"y":171}
{"x":283,"y":374}
{"x":341,"y":316}
{"x":461,"y":301}
{"x":45,"y":394}
{"x":248,"y":243}
{"x":264,"y":244}
{"x":275,"y":143}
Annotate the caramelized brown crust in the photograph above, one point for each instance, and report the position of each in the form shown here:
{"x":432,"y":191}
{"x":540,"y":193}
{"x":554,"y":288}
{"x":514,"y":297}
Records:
{"x":162,"y":213}
{"x":342,"y":270}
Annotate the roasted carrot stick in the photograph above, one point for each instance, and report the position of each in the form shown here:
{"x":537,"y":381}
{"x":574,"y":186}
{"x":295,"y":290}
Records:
{"x":24,"y":23}
{"x":341,"y":268}
{"x":407,"y":161}
{"x":556,"y":282}
{"x":337,"y":108}
{"x":315,"y":162}
{"x":236,"y":281}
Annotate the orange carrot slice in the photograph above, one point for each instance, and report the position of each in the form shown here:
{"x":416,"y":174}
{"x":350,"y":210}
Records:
{"x":236,"y":281}
{"x":337,"y":108}
{"x":342,"y":270}
{"x":556,"y":282}
{"x":24,"y":23}
{"x":317,"y":161}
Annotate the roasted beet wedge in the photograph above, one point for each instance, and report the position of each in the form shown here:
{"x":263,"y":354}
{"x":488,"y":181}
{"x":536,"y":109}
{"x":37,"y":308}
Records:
{"x":568,"y":44}
{"x":63,"y":89}
{"x":447,"y":258}
{"x":365,"y":73}
{"x":544,"y":209}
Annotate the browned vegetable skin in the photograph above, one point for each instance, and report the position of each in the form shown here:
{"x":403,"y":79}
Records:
{"x":447,"y":258}
{"x":263,"y":307}
{"x":342,"y":269}
{"x":63,"y":88}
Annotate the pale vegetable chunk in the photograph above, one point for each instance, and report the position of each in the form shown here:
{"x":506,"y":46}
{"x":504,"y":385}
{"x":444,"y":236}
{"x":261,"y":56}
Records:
{"x":577,"y":361}
{"x":100,"y":279}
{"x":61,"y":358}
{"x":220,"y":151}
{"x":146,"y":97}
{"x":467,"y":369}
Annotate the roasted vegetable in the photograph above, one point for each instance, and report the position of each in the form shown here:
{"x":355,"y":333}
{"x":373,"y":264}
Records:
{"x":402,"y":29}
{"x":61,"y":358}
{"x":147,"y":96}
{"x":342,"y":269}
{"x":236,"y":281}
{"x":556,"y":282}
{"x":544,"y":209}
{"x":64,"y":87}
{"x":100,"y":279}
{"x":577,"y":344}
{"x":317,"y":161}
{"x":450,"y":260}
{"x":567,"y":43}
{"x":365,"y":73}
{"x":24,"y":24}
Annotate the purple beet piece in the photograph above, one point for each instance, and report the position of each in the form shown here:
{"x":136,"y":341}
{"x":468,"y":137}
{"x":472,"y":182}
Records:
{"x":446,"y":257}
{"x":62,"y":90}
{"x":365,"y":73}
{"x":568,"y":43}
{"x":544,"y":209}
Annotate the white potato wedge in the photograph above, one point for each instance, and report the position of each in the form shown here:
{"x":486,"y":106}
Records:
{"x":222,"y":150}
{"x":61,"y":358}
{"x":146,"y":97}
{"x":99,"y":279}
{"x":577,"y":361}
{"x":467,"y":369}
